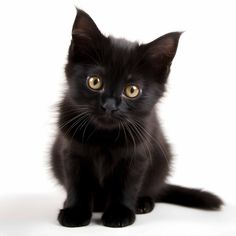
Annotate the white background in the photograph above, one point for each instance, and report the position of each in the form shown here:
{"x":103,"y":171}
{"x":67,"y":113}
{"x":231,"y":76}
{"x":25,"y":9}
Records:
{"x":198,"y":111}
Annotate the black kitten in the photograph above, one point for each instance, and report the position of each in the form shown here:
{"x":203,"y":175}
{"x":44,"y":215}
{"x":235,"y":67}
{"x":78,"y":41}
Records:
{"x":110,"y":153}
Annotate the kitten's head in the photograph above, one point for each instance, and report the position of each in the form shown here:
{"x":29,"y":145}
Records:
{"x":115,"y":80}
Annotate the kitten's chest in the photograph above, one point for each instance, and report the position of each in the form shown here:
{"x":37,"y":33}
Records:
{"x":103,"y":164}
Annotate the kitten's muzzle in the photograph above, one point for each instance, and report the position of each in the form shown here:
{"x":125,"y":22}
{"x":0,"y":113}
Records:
{"x":109,"y":106}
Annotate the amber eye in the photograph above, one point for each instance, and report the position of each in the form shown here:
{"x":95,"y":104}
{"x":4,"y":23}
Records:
{"x":132,"y":91}
{"x":94,"y":83}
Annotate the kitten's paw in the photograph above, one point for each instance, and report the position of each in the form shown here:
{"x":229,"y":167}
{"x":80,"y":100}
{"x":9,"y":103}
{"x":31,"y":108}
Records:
{"x":118,"y":216}
{"x":144,"y":205}
{"x":74,"y":217}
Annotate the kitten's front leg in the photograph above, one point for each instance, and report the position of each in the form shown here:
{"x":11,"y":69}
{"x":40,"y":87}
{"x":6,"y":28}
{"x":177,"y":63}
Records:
{"x":123,"y":189}
{"x":77,"y":209}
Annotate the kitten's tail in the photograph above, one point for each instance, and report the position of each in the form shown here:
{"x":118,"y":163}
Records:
{"x":189,"y":197}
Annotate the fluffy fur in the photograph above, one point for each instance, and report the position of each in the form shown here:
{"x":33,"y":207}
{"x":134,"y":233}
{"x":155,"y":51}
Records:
{"x":110,"y":153}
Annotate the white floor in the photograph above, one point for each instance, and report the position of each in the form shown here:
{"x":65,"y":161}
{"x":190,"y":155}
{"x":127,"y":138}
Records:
{"x":33,"y":215}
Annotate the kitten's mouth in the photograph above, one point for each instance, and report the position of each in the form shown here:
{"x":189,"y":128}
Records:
{"x":106,"y":118}
{"x":106,"y":121}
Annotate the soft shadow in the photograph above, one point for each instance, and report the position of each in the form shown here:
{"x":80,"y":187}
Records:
{"x":172,"y":214}
{"x":29,"y":208}
{"x":34,"y":208}
{"x":43,"y":209}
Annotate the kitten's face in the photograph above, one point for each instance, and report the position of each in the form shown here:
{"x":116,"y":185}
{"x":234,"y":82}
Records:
{"x":114,"y":80}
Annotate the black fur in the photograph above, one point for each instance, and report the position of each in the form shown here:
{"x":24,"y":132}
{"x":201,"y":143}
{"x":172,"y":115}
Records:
{"x":115,"y":162}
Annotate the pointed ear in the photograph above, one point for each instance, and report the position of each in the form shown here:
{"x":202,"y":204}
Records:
{"x":86,"y":41}
{"x":84,"y":26}
{"x":162,"y":50}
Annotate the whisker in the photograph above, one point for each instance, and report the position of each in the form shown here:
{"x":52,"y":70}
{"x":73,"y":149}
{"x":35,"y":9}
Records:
{"x":117,"y":137}
{"x":84,"y":121}
{"x":69,"y":121}
{"x":126,"y":142}
{"x":91,"y":132}
{"x":81,"y":119}
{"x":164,"y":152}
{"x":89,"y":120}
{"x":133,"y":139}
{"x":141,"y":138}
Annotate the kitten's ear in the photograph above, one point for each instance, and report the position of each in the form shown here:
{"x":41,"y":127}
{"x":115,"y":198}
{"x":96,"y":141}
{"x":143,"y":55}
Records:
{"x":162,"y":50}
{"x":84,"y":26}
{"x":159,"y":54}
{"x":86,"y":39}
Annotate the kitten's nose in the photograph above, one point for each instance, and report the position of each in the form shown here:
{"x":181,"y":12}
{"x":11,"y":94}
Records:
{"x":109,"y":105}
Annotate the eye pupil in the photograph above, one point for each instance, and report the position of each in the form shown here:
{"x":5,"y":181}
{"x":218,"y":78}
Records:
{"x":94,"y":83}
{"x":131,"y":91}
